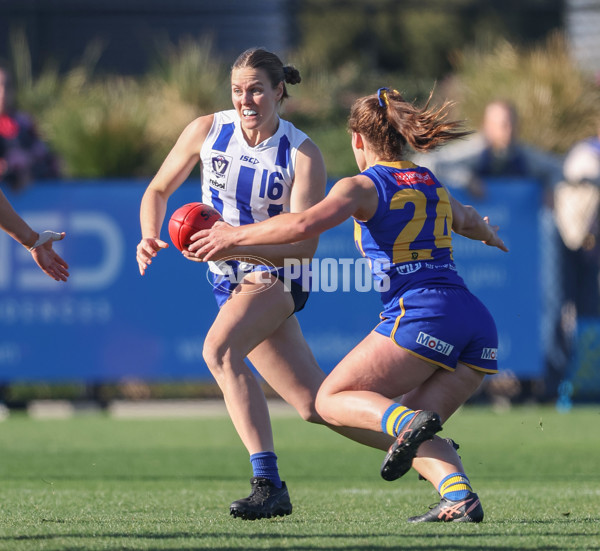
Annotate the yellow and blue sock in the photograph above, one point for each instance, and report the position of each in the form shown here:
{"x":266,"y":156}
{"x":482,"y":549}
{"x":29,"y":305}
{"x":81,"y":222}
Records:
{"x":455,"y":486}
{"x":395,"y":418}
{"x":264,"y":464}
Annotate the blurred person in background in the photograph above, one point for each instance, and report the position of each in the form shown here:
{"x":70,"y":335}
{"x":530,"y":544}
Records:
{"x":577,"y":214}
{"x":496,"y":152}
{"x":26,"y":157}
{"x":577,"y":206}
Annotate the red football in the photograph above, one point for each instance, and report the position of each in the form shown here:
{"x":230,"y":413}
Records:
{"x":189,"y":219}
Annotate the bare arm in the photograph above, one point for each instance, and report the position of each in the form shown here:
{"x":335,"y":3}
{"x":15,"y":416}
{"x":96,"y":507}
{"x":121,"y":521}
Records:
{"x":354,"y":196}
{"x":14,"y":225}
{"x":466,"y":221}
{"x":175,"y":169}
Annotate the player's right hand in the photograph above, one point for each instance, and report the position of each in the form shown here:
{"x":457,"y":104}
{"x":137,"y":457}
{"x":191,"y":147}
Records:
{"x":147,"y":249}
{"x":495,"y":240}
{"x":47,"y":258}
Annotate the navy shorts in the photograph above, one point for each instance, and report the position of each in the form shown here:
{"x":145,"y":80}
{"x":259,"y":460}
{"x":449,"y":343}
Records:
{"x":443,"y":326}
{"x":223,"y":286}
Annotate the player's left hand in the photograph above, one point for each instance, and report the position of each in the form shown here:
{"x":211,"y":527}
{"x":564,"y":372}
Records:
{"x":214,"y":243}
{"x":47,"y":258}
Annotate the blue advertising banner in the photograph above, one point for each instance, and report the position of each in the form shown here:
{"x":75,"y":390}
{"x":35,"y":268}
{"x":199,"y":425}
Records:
{"x":108,"y":323}
{"x":512,"y":285}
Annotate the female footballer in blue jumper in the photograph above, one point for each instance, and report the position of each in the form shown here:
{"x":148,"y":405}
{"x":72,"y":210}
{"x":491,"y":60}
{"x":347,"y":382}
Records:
{"x":436,"y":341}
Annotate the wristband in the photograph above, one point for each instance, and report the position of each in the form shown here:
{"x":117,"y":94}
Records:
{"x":44,"y":237}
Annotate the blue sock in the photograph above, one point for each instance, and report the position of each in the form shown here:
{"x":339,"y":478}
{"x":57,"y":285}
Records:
{"x":455,"y":486}
{"x":395,"y":418}
{"x":264,"y":464}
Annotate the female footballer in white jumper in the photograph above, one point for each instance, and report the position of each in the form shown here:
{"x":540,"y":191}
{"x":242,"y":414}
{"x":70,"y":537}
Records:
{"x":255,"y":165}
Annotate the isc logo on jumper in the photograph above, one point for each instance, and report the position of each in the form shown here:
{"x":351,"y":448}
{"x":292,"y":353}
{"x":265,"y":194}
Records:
{"x":489,"y":354}
{"x":435,"y":344}
{"x":220,"y":169}
{"x":248,"y":159}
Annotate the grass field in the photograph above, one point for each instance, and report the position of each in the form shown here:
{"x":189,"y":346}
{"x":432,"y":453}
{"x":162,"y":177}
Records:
{"x":93,"y":482}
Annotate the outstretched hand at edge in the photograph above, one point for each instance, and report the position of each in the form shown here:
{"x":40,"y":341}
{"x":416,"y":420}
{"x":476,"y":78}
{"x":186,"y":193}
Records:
{"x":47,"y":258}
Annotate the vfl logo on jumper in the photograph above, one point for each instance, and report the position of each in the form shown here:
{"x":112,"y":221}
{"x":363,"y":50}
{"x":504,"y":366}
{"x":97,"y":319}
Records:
{"x":489,"y":354}
{"x":435,"y":344}
{"x":220,"y":168}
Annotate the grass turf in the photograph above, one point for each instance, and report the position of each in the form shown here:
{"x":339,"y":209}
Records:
{"x":98,"y":483}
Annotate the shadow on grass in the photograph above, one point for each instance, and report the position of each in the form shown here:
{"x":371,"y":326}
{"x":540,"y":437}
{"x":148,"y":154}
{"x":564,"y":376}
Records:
{"x":355,"y":542}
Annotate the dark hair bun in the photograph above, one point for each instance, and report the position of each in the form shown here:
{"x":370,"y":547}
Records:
{"x":291,"y":75}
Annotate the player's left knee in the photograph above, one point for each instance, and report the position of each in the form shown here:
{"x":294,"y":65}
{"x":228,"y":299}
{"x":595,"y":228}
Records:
{"x":219,"y":356}
{"x":308,"y":413}
{"x":322,"y":408}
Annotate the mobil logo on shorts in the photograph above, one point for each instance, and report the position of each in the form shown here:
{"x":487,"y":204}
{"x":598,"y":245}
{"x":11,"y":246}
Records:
{"x":489,"y":354}
{"x":435,"y":344}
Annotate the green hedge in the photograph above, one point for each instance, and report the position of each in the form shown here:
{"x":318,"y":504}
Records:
{"x":119,"y":126}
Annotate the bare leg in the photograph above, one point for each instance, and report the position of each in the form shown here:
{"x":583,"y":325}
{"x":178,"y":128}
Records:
{"x":364,"y":384}
{"x":258,"y":325}
{"x":444,"y":393}
{"x":242,"y":323}
{"x":361,"y":388}
{"x":286,"y":362}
